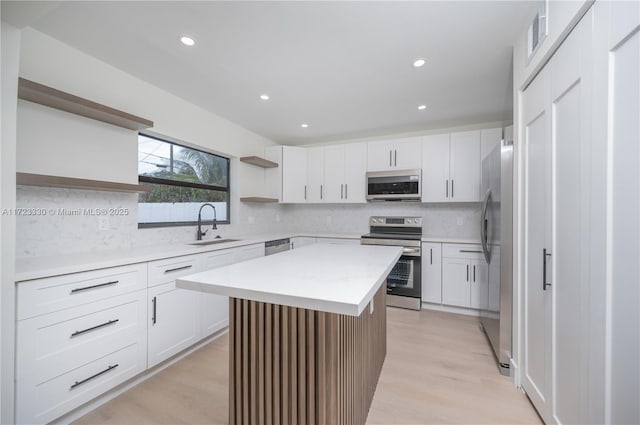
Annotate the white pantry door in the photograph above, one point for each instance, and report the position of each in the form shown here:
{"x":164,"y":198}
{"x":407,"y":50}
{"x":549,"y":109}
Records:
{"x":537,"y":226}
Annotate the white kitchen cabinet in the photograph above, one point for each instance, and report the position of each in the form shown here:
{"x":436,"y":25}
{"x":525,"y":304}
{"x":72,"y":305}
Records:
{"x":345,"y":167}
{"x":435,"y":168}
{"x":396,"y":154}
{"x":355,"y":173}
{"x":489,"y":139}
{"x":464,"y":275}
{"x":558,"y":169}
{"x":174,"y":321}
{"x":174,"y":314}
{"x":432,"y":273}
{"x":300,"y":241}
{"x":294,"y":174}
{"x":214,"y":309}
{"x":451,"y":167}
{"x":315,"y":175}
{"x":79,"y":347}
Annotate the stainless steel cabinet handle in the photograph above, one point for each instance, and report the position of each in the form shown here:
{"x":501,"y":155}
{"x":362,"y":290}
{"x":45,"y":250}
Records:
{"x":346,"y":191}
{"x":342,"y":191}
{"x":446,"y":185}
{"x":471,"y":251}
{"x":320,"y":191}
{"x":474,"y":273}
{"x":545,"y":254}
{"x":178,"y":268}
{"x":84,"y":381}
{"x":305,"y":192}
{"x":430,"y":255}
{"x":100,"y":285}
{"x":154,"y":301}
{"x":395,"y":157}
{"x":390,"y":163}
{"x":93,"y":328}
{"x":452,"y":188}
{"x":467,"y":273}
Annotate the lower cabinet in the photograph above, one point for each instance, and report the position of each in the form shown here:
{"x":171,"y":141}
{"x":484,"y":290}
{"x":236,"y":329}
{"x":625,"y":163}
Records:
{"x":432,"y":273}
{"x":465,"y":276}
{"x":68,"y":357}
{"x":174,"y":321}
{"x":174,"y":314}
{"x":214,"y":309}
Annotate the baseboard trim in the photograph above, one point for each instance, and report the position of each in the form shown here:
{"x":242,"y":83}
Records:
{"x":451,"y":309}
{"x":102,"y":399}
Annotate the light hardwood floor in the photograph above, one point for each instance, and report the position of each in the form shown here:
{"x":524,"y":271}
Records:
{"x":439,"y":369}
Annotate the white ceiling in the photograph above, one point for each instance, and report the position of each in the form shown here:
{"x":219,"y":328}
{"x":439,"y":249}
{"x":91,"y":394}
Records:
{"x":343,"y":67}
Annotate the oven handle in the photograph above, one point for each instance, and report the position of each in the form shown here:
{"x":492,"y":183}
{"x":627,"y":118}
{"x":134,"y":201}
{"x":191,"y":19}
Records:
{"x":413,"y":252}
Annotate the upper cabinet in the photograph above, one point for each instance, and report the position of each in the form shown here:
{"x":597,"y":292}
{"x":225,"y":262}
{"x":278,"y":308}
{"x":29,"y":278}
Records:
{"x":314,"y":191}
{"x":345,"y":167}
{"x":451,"y":167}
{"x":396,"y":154}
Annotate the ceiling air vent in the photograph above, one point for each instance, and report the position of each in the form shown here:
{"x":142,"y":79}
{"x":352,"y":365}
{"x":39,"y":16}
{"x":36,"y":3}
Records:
{"x":537,"y":30}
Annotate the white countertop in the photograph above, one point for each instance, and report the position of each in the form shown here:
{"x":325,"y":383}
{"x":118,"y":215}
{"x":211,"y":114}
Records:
{"x":332,"y":278}
{"x":39,"y":267}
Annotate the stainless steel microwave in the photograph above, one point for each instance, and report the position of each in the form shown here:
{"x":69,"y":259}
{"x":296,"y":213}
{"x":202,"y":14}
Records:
{"x":397,"y":185}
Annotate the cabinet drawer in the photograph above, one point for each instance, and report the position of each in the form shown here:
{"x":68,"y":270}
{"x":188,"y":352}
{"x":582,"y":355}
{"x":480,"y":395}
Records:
{"x":169,"y":269}
{"x":43,"y":296}
{"x":46,"y":401}
{"x":51,"y":345}
{"x":458,"y":250}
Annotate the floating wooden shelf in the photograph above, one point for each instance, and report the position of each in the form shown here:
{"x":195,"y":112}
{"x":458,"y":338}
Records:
{"x":53,"y":98}
{"x":258,"y":199}
{"x":42,"y":180}
{"x":259,"y":162}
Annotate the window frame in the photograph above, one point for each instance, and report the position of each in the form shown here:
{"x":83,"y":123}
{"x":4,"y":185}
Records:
{"x":178,"y":183}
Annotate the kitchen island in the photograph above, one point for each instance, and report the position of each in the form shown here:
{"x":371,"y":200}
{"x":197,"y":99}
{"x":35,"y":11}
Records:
{"x":307,"y":332}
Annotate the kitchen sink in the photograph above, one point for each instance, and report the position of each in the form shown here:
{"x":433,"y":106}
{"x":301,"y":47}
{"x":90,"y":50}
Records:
{"x":213,"y":242}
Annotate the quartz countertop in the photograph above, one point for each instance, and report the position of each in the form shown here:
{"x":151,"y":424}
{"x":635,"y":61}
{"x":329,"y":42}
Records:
{"x":40,"y":267}
{"x":338,"y":279}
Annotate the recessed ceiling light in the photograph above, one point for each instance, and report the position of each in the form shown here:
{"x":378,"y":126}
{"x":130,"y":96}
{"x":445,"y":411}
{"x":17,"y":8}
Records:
{"x":187,"y":41}
{"x":264,"y":96}
{"x":422,"y":107}
{"x":304,"y":125}
{"x":419,"y":62}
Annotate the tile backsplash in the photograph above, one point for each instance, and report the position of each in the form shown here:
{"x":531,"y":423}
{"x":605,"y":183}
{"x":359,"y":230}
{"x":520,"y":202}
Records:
{"x":66,"y":222}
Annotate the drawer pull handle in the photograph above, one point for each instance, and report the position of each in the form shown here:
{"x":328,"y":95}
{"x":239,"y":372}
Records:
{"x":153,"y":315}
{"x":100,"y":285}
{"x":84,"y":381}
{"x":471,"y":251}
{"x":93,"y":328}
{"x":179,"y":268}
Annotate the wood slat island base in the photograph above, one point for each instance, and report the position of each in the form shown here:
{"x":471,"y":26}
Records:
{"x":299,"y":366}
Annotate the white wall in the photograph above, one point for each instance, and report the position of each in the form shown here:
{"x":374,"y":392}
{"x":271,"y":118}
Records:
{"x":50,"y":62}
{"x":10,"y":57}
{"x":58,"y":143}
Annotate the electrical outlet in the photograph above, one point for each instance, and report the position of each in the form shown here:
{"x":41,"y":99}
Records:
{"x":460,"y":221}
{"x":250,"y":219}
{"x":103,"y":223}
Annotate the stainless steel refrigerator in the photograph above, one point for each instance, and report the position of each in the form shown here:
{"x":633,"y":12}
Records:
{"x":497,"y":244}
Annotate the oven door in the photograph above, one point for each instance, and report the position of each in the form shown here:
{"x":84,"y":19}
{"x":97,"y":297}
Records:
{"x":405,"y":277}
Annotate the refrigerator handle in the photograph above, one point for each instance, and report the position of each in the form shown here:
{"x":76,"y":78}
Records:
{"x":483,"y":226}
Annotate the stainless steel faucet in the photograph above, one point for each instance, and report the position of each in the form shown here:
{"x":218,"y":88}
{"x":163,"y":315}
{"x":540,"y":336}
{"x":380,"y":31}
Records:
{"x":215,"y":218}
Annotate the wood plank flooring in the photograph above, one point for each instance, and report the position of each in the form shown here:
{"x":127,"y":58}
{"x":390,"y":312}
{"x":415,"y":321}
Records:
{"x":439,"y":369}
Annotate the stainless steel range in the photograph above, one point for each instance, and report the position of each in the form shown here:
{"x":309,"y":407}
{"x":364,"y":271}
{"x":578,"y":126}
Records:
{"x":404,"y":281}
